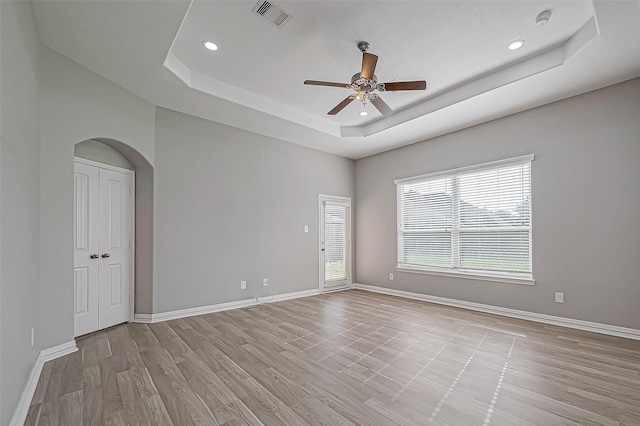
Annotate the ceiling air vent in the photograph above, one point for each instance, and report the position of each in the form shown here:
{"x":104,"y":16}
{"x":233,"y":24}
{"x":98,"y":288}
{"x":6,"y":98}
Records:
{"x":271,"y":13}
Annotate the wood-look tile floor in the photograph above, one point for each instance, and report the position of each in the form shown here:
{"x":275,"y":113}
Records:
{"x":344,"y":358}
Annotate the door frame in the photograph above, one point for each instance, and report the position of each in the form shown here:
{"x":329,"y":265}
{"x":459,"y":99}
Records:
{"x":322,"y":198}
{"x":132,"y":229}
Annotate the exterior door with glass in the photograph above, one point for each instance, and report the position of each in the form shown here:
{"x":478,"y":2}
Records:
{"x":335,"y":242}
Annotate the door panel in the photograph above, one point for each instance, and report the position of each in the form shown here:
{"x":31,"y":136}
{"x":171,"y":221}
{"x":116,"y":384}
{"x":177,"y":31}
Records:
{"x":81,"y":203}
{"x":115,"y":284}
{"x":85,"y":230}
{"x":114,"y":241}
{"x":335,"y":242}
{"x":115,"y":228}
{"x":81,"y":285}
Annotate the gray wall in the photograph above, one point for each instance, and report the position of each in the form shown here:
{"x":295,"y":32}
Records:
{"x":102,"y":153}
{"x":76,"y":105}
{"x":232,"y":205}
{"x":144,"y":240}
{"x":19,"y":216}
{"x":49,"y":104}
{"x":586,"y":205}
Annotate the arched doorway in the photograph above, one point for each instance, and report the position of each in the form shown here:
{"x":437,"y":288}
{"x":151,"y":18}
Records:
{"x":117,"y":159}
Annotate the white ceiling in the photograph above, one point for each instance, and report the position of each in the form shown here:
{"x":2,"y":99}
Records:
{"x":254,"y":81}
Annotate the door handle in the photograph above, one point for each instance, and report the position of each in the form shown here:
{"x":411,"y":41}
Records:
{"x":105,"y":255}
{"x":94,"y":256}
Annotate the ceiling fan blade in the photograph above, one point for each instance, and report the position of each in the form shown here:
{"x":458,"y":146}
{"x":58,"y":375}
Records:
{"x":369,"y":62}
{"x":382,"y":106}
{"x":340,"y":106}
{"x":326,"y":83}
{"x":405,"y":85}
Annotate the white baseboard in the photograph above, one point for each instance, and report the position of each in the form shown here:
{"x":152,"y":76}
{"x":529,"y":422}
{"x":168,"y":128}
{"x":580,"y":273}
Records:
{"x":200,"y":310}
{"x":20,"y":414}
{"x":611,"y":330}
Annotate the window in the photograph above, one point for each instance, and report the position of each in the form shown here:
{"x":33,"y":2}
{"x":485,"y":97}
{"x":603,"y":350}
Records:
{"x":468,"y":221}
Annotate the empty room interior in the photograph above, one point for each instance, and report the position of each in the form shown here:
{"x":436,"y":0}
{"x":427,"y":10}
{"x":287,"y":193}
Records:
{"x":319,"y":212}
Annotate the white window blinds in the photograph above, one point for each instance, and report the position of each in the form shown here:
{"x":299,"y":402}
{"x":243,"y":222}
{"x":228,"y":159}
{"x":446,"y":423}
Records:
{"x":334,"y":242}
{"x":474,"y":220}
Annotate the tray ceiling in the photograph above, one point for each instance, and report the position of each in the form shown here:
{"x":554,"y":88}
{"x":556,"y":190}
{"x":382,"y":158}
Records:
{"x":255,"y":79}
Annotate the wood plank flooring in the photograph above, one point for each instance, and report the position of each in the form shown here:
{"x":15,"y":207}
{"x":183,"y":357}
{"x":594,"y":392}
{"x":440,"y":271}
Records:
{"x":346,"y":358}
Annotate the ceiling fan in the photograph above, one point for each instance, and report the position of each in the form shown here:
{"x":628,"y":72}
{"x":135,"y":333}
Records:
{"x":365,"y":84}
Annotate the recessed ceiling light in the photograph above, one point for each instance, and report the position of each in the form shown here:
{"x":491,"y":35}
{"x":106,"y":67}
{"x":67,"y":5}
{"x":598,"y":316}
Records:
{"x":210,"y":45}
{"x":364,"y":113}
{"x":516,"y":44}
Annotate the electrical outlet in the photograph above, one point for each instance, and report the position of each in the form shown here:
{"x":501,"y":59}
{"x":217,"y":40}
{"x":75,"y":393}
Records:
{"x":391,"y":276}
{"x":243,"y":285}
{"x":559,"y":297}
{"x":306,"y":228}
{"x":265,"y":282}
{"x":33,"y":337}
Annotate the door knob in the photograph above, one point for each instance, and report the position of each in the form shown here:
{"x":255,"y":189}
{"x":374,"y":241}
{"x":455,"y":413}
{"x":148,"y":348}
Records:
{"x":94,"y":256}
{"x":105,"y":255}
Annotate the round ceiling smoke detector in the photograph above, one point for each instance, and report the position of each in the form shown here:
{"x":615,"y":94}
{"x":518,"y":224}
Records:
{"x":543,"y":17}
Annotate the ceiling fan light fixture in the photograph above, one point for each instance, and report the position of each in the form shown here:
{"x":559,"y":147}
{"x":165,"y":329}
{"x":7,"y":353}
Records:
{"x":516,"y":44}
{"x":365,"y":84}
{"x":543,"y":17}
{"x":210,"y":45}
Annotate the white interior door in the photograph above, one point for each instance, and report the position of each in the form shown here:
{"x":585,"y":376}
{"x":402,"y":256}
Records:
{"x":103,"y":237}
{"x":85,"y":256}
{"x":335,"y":242}
{"x":114,"y":242}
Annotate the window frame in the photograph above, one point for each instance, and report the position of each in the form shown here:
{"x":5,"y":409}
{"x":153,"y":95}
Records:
{"x":525,"y":278}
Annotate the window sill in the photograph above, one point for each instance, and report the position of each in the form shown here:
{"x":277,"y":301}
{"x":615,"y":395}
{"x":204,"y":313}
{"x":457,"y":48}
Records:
{"x":469,"y":275}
